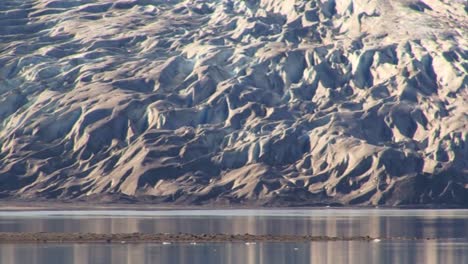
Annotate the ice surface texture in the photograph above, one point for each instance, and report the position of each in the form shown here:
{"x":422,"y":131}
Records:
{"x":263,"y":102}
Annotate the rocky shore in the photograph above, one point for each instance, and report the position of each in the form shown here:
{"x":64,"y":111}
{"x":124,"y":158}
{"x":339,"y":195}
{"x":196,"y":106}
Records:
{"x":44,"y":237}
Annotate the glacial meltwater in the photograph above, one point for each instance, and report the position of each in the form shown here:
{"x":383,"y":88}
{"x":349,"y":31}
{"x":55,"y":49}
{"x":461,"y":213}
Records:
{"x":409,"y":236}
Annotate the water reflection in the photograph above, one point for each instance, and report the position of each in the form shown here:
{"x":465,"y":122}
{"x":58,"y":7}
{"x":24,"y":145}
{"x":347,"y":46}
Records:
{"x":375,"y":223}
{"x":233,"y":253}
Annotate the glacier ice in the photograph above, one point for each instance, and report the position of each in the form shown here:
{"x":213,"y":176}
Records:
{"x":264,"y":102}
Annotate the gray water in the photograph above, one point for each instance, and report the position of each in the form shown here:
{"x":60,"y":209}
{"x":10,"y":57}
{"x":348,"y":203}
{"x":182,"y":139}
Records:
{"x":450,"y":227}
{"x":218,"y":253}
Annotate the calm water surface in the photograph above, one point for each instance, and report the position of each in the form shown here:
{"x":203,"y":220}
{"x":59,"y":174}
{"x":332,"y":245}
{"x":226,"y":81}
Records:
{"x":449,"y":226}
{"x":330,"y":222}
{"x":239,"y":253}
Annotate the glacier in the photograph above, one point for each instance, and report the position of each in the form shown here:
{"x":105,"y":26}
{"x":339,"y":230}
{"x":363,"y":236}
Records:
{"x":255,"y":102}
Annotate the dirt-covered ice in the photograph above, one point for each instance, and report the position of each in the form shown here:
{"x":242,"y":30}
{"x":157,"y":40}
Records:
{"x":265,"y":102}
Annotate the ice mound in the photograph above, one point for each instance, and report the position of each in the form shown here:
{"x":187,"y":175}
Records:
{"x":266,"y":102}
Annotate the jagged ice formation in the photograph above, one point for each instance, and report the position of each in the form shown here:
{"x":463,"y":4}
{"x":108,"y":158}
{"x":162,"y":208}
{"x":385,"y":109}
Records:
{"x":266,"y":102}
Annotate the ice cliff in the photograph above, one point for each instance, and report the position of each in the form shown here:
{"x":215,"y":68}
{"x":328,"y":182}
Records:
{"x":265,"y":102}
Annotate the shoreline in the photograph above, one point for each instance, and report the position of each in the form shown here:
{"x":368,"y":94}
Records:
{"x":56,"y":205}
{"x":46,"y":237}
